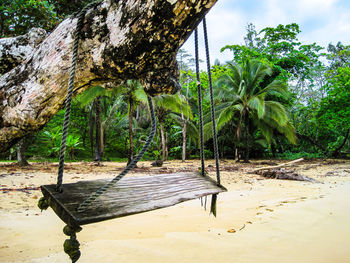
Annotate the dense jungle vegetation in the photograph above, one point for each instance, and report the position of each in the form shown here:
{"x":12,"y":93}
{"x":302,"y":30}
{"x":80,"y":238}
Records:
{"x":274,"y":97}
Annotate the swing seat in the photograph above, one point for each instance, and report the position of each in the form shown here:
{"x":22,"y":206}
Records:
{"x":131,"y":195}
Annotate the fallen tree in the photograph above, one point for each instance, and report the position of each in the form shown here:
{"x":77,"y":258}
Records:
{"x":285,"y":174}
{"x":120,"y":40}
{"x":276,"y":166}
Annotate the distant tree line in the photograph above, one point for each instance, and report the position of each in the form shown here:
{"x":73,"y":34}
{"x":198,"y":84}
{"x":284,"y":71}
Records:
{"x":274,"y":97}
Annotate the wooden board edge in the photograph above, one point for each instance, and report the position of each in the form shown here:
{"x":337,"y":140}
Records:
{"x":96,"y":220}
{"x":58,"y":208}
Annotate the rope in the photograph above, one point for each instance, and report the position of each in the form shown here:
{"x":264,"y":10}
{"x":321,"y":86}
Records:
{"x":79,"y":26}
{"x":215,"y":137}
{"x":71,"y":246}
{"x":131,"y":165}
{"x":200,"y":110}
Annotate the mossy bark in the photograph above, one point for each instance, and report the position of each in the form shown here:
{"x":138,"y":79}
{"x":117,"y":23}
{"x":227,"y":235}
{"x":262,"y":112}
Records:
{"x":120,"y":40}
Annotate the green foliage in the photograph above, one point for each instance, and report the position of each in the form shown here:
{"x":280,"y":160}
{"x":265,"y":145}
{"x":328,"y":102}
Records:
{"x":18,"y":16}
{"x":275,"y":85}
{"x":296,"y":155}
{"x":240,"y":92}
{"x":72,"y":145}
{"x":279,"y":47}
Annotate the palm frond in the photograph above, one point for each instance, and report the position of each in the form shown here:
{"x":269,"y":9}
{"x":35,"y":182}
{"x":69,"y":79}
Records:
{"x":288,"y":131}
{"x":276,"y":87}
{"x":257,"y":103}
{"x":224,"y":117}
{"x":275,"y":111}
{"x":90,"y":94}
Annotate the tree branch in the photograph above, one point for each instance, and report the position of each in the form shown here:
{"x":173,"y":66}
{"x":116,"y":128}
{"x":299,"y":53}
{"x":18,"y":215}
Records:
{"x":337,"y":151}
{"x":130,"y":39}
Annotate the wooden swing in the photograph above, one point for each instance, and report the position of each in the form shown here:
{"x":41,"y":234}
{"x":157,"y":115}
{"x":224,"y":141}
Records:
{"x":86,"y":202}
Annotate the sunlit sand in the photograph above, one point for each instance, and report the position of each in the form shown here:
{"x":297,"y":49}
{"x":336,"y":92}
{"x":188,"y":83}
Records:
{"x":259,"y":220}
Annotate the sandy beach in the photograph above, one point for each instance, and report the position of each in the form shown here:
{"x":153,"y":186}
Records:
{"x":258,"y":219}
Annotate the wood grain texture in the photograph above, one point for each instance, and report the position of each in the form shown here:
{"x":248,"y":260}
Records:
{"x":129,"y":196}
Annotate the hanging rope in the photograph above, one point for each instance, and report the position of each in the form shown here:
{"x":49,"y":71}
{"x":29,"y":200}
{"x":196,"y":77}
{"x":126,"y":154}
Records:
{"x":216,"y":151}
{"x":200,"y":109}
{"x":79,"y":26}
{"x":215,"y":137}
{"x":131,"y":165}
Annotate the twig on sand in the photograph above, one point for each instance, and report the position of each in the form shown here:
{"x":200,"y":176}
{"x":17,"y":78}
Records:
{"x":25,"y":189}
{"x":4,"y":175}
{"x":242,"y":227}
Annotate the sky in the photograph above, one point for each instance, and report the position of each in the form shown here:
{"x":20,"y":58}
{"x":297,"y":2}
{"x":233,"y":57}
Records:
{"x":321,"y":21}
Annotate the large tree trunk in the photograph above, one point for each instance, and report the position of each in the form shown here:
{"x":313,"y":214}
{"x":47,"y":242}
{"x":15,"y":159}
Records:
{"x":130,"y":39}
{"x":14,"y":50}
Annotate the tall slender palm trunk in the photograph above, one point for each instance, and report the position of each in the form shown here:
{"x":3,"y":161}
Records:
{"x":184,"y":141}
{"x":162,"y":137}
{"x":98,"y":156}
{"x":246,"y":154}
{"x":131,"y":135}
{"x":91,"y":129}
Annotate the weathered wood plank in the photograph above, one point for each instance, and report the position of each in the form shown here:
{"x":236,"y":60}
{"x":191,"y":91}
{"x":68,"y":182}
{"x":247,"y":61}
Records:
{"x":131,"y":195}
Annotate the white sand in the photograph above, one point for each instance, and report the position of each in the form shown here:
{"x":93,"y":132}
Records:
{"x":281,"y":221}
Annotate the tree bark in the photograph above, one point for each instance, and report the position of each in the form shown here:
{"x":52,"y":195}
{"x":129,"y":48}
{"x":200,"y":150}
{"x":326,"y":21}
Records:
{"x":21,"y":157}
{"x":120,"y":40}
{"x":162,"y":138}
{"x":246,"y":154}
{"x":166,"y":145}
{"x":102,"y":139}
{"x":131,"y":135}
{"x":91,"y":129}
{"x":98,"y":156}
{"x":184,"y":139}
{"x":14,"y":50}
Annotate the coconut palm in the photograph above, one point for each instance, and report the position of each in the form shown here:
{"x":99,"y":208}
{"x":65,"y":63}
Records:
{"x":101,"y":104}
{"x":170,"y":104}
{"x":241,"y":94}
{"x":132,"y":93}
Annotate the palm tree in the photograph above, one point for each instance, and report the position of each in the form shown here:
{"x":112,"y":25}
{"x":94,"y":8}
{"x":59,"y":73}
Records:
{"x":132,"y":93}
{"x":169,"y":104}
{"x":98,"y":100}
{"x":241,"y":94}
